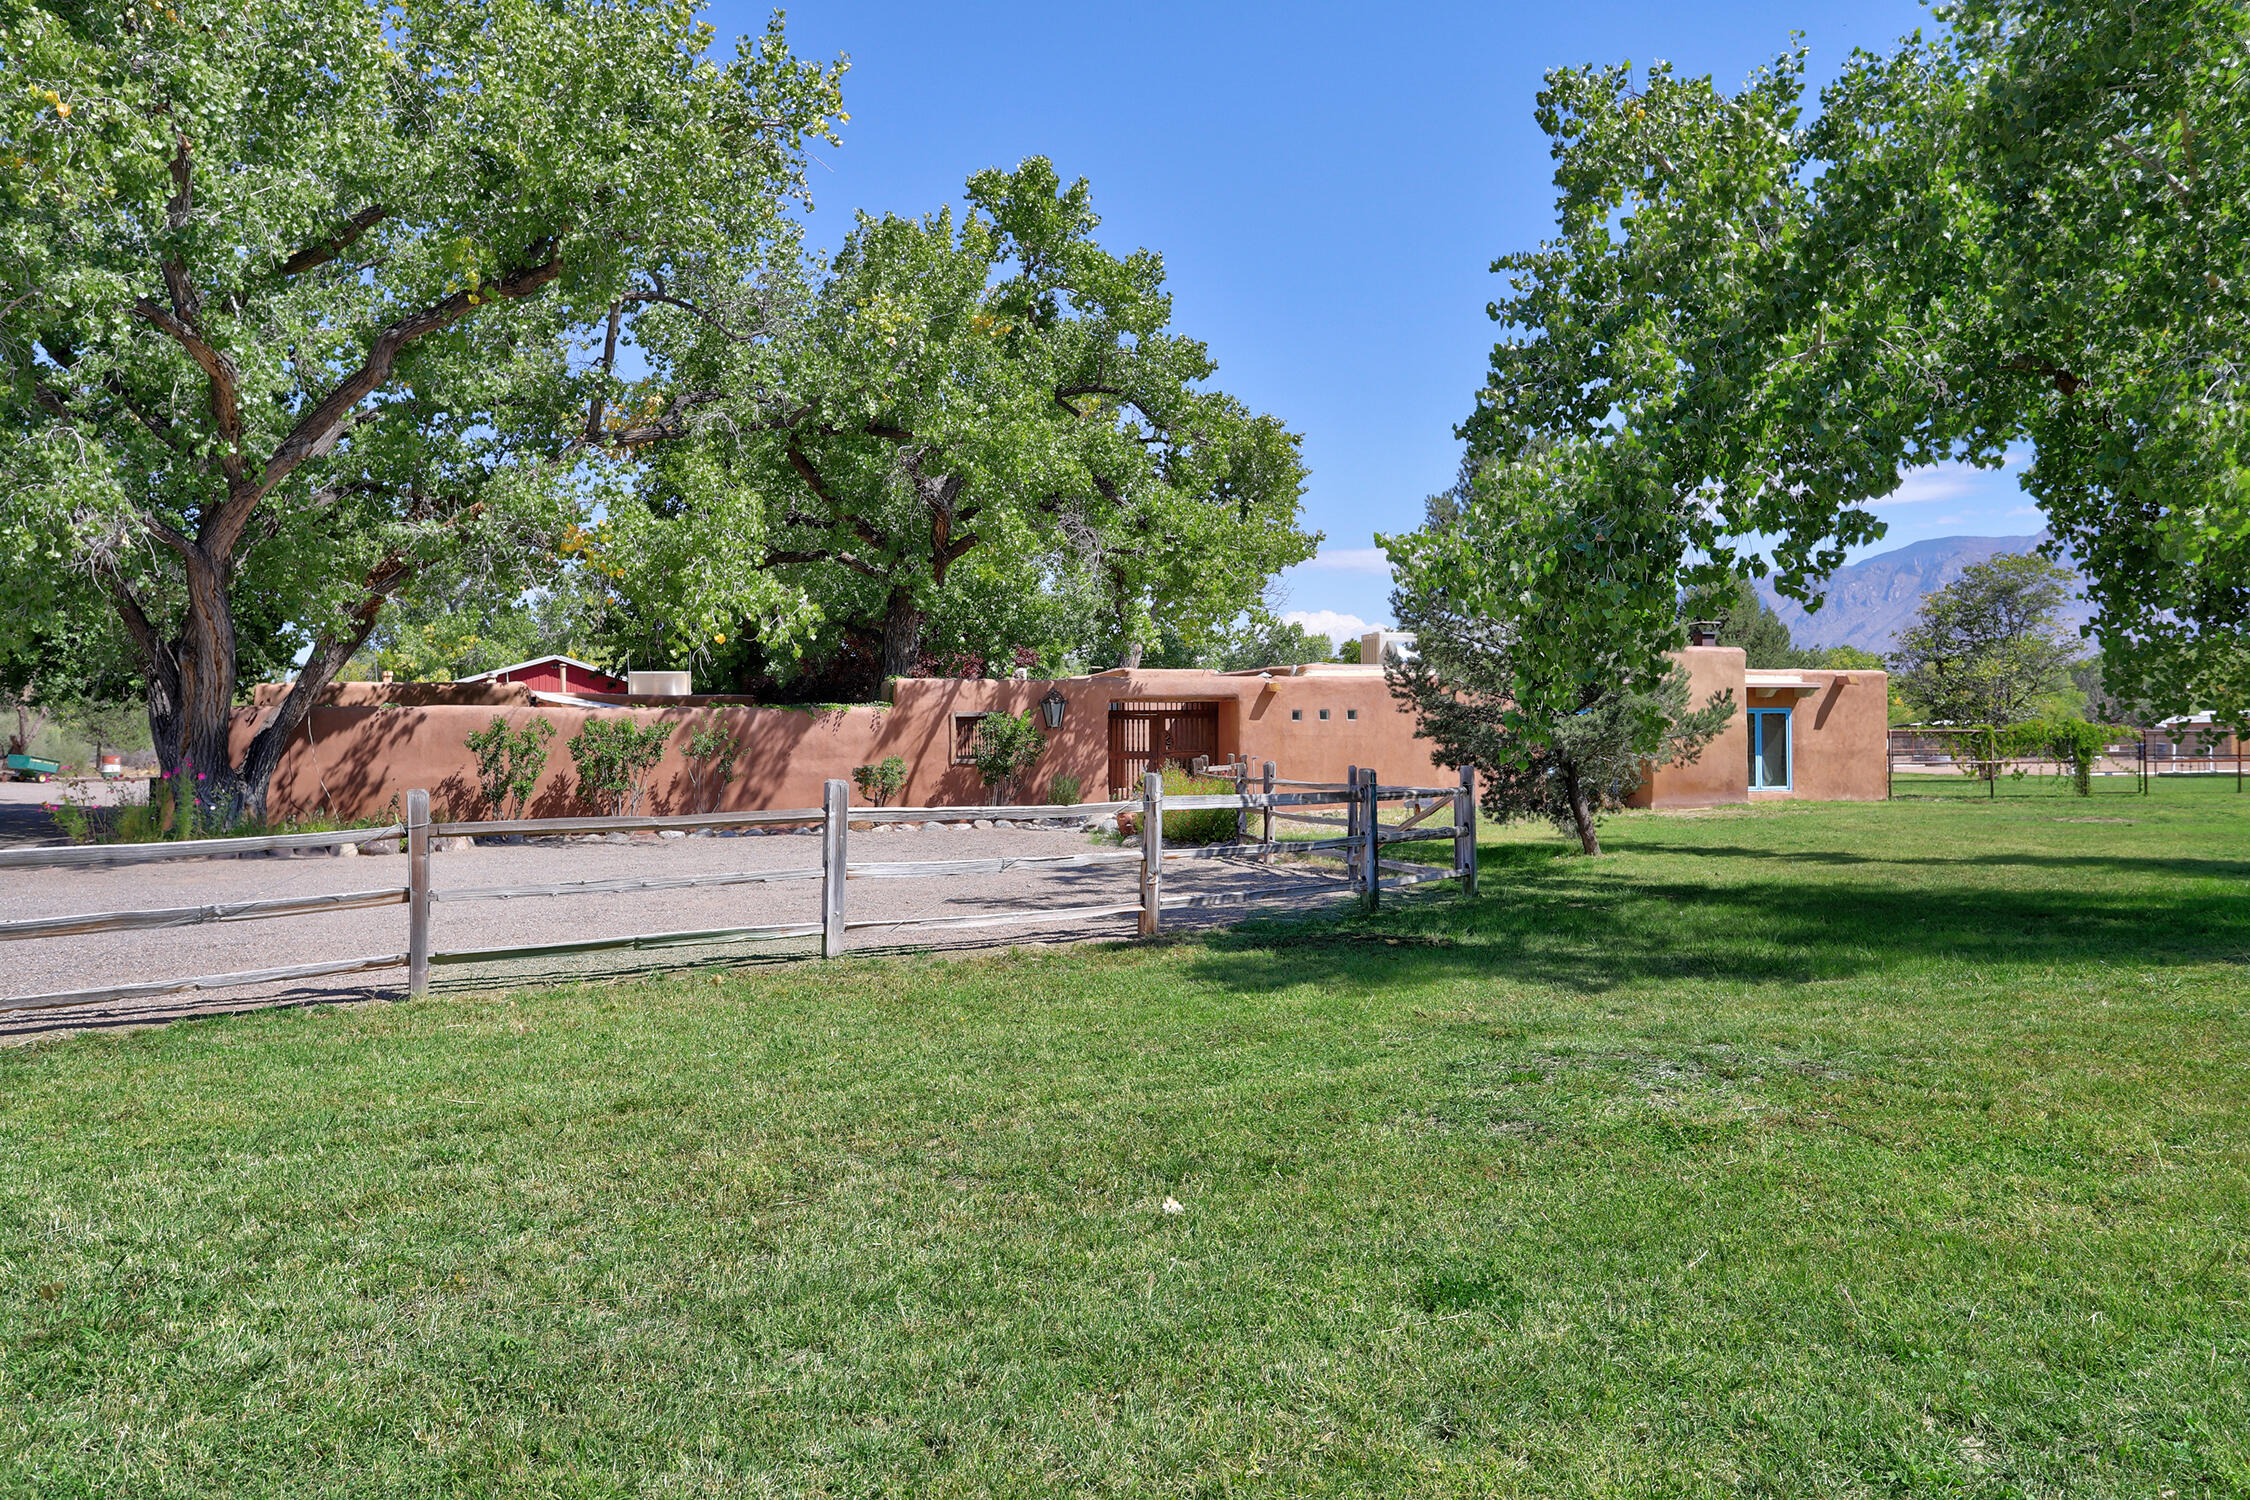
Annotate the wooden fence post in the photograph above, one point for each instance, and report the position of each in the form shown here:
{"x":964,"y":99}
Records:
{"x":1241,"y":789}
{"x":1152,"y":852}
{"x":1352,"y":805}
{"x":1465,"y":831}
{"x":1374,"y":856}
{"x":418,"y":892}
{"x":1268,"y":835}
{"x":835,"y":801}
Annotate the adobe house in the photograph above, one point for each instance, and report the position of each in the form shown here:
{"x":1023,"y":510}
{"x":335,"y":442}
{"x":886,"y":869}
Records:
{"x":1816,"y":734}
{"x":1811,"y":735}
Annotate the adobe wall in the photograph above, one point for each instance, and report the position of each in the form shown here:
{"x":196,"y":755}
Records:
{"x":370,"y":743}
{"x":1842,"y":739}
{"x":1721,"y":774}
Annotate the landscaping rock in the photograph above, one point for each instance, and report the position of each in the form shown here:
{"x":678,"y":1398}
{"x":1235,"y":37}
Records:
{"x":671,"y":833}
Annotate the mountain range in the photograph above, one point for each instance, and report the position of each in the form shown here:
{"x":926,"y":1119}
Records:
{"x":1870,"y":601}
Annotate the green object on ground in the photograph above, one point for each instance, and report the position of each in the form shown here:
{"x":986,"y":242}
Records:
{"x":1894,"y":1149}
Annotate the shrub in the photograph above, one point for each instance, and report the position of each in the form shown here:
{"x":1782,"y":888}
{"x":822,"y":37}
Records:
{"x":510,"y":763}
{"x":1064,"y":791}
{"x":1004,"y":747}
{"x":882,"y":781}
{"x":1205,"y":825}
{"x":710,"y":765}
{"x":614,"y":757}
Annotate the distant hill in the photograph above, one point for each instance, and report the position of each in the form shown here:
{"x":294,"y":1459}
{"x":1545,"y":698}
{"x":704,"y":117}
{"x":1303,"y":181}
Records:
{"x":1869,"y":602}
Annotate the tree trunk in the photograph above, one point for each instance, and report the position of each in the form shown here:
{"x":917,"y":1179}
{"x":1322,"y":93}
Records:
{"x":1132,"y":656}
{"x":191,"y":694}
{"x":1581,"y":813}
{"x":902,"y":635}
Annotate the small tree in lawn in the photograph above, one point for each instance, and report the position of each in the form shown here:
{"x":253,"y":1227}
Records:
{"x":711,"y":751}
{"x":882,"y":781}
{"x":510,"y":763}
{"x":1542,"y":610}
{"x":614,"y":757}
{"x":1004,"y":747}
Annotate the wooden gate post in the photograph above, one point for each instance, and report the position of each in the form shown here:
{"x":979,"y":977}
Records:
{"x":1152,"y":852}
{"x":836,"y":798}
{"x":1374,"y":856}
{"x":1268,"y":834}
{"x":1241,"y":789}
{"x":417,"y":892}
{"x":1465,"y":831}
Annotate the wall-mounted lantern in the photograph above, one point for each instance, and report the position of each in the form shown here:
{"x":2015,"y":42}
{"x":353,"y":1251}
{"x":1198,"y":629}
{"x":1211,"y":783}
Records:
{"x":1052,"y":706}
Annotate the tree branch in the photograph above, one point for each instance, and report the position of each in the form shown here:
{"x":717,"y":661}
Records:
{"x":218,"y":370}
{"x":319,"y":429}
{"x":324,"y":251}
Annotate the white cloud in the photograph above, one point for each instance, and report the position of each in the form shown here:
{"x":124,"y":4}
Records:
{"x":1933,"y":486}
{"x":1327,"y":622}
{"x":1351,"y":560}
{"x":2026,"y":510}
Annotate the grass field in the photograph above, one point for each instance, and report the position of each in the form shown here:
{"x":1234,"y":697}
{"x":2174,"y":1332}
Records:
{"x":1799,"y":1150}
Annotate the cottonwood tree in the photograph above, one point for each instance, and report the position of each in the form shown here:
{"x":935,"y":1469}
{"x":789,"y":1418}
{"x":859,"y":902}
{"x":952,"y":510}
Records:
{"x":973,"y":420}
{"x":288,"y":294}
{"x":1989,"y":646}
{"x":1542,"y":605}
{"x":2021,"y":230}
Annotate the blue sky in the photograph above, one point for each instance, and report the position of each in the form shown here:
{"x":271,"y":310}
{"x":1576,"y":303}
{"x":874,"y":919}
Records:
{"x":1328,"y":186}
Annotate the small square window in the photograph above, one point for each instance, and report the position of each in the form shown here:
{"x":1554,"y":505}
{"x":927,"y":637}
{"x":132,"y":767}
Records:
{"x":1351,"y":713}
{"x":1296,"y":714}
{"x":964,"y":736}
{"x":1324,"y":713}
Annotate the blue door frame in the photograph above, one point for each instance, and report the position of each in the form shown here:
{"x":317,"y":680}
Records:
{"x":1765,"y":725}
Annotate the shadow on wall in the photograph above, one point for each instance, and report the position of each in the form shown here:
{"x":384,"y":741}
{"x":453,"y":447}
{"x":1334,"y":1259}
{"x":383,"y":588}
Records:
{"x":360,"y":761}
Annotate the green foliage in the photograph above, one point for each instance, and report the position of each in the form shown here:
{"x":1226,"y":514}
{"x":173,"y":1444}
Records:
{"x":971,"y":437}
{"x":1265,"y":642}
{"x":1349,"y":652}
{"x":1543,"y":605}
{"x":1210,"y":825}
{"x":1986,"y":648}
{"x":1846,"y":659}
{"x":711,"y":753}
{"x":2013,"y":230}
{"x":1004,"y":747}
{"x":510,"y":763}
{"x":323,"y":348}
{"x":1064,"y":791}
{"x":614,"y":757}
{"x":882,"y":781}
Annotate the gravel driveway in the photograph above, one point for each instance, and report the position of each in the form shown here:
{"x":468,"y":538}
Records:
{"x":57,"y":964}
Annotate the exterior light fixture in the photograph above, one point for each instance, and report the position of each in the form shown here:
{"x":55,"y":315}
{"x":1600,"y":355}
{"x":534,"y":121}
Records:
{"x":1052,"y":706}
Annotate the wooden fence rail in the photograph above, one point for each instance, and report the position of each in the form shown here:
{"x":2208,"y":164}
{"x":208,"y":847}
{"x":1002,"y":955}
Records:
{"x":1367,"y":873}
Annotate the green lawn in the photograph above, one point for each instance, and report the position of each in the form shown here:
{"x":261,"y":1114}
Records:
{"x":1799,"y":1150}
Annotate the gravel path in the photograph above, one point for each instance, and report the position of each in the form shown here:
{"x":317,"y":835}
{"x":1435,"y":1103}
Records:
{"x":57,"y":964}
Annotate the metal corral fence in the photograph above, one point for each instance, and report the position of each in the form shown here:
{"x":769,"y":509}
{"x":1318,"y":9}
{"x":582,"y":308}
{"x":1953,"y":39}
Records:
{"x":1352,"y":808}
{"x":1935,"y":762}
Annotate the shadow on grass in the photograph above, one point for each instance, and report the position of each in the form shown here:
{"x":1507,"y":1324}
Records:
{"x":1592,"y":926}
{"x":2165,"y":868}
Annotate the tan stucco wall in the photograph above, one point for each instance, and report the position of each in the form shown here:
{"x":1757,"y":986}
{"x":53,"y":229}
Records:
{"x":376,"y":743}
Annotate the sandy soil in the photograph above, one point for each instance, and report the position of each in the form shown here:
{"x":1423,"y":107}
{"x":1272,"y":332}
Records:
{"x":58,"y":964}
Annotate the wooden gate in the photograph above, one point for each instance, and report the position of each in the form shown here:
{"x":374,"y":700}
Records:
{"x":1148,"y":736}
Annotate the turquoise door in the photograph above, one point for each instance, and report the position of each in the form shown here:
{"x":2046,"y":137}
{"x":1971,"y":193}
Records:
{"x":1769,"y":749}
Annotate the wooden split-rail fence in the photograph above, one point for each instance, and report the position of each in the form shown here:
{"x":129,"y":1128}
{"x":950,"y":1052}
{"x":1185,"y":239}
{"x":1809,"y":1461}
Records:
{"x":1352,"y":808}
